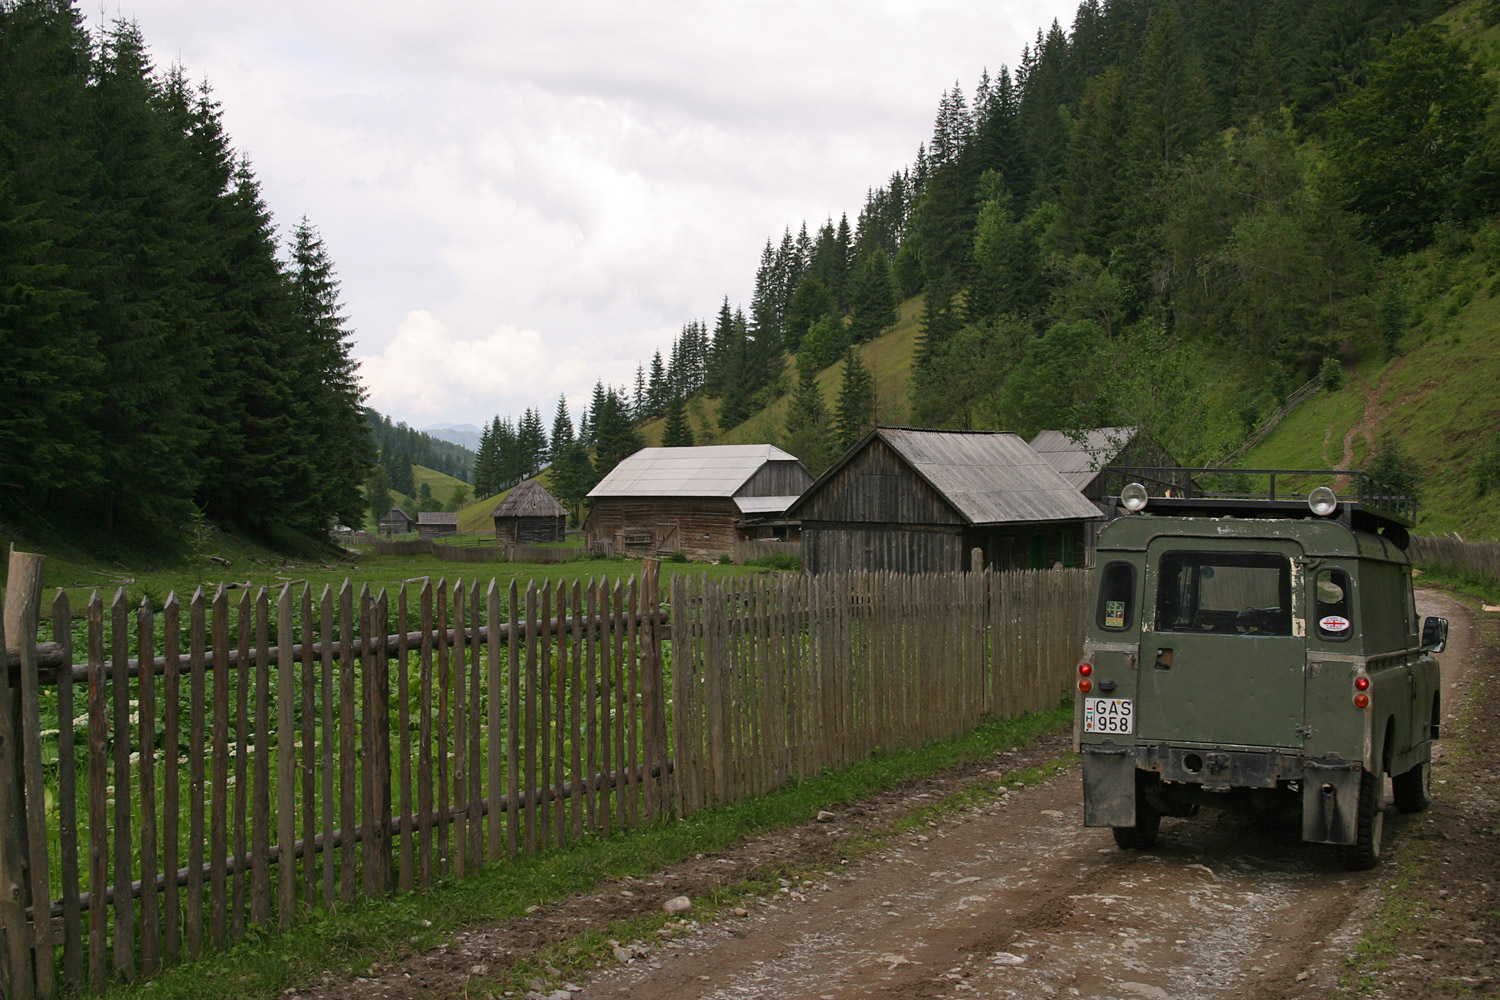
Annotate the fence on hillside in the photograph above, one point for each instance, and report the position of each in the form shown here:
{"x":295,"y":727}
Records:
{"x":1299,"y":396}
{"x":229,"y":763}
{"x":1477,"y":558}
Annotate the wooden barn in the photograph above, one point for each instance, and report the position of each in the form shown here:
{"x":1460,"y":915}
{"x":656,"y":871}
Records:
{"x":436,"y":523}
{"x":919,"y":501}
{"x":702,"y":502}
{"x":396,"y":522}
{"x":530,"y":515}
{"x":1081,"y":456}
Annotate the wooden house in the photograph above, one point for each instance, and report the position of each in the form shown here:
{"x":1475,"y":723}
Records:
{"x":702,"y":501}
{"x":436,"y":523}
{"x":530,"y":515}
{"x":396,"y":522}
{"x":920,"y":501}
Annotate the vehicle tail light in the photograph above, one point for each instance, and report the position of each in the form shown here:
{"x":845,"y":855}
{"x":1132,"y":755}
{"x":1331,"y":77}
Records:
{"x":1361,"y":700}
{"x":1362,"y":683}
{"x":1085,"y":685}
{"x":1085,"y":668}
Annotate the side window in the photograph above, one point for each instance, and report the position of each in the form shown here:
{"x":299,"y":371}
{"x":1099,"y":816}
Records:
{"x":1117,"y":596}
{"x":1332,"y":608}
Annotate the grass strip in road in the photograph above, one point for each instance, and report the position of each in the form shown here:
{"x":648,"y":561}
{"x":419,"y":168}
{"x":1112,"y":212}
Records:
{"x":376,"y":932}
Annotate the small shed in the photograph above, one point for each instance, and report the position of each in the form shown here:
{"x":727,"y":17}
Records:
{"x":920,"y":501}
{"x":702,"y":502}
{"x":396,"y":522}
{"x":436,"y":523}
{"x":530,"y":515}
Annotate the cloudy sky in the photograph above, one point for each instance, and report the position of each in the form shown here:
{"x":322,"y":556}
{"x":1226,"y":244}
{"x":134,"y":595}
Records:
{"x":523,"y":198}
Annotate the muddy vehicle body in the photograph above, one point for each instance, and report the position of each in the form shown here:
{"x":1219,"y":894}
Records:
{"x":1256,"y":647}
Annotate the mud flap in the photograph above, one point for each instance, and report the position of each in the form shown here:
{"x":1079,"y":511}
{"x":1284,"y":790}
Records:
{"x":1330,"y":803}
{"x":1108,"y":786}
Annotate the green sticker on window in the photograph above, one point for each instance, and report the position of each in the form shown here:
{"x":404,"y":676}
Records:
{"x":1114,"y":614}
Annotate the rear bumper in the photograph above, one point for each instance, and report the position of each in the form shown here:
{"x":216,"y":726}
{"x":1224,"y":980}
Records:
{"x":1329,"y":789}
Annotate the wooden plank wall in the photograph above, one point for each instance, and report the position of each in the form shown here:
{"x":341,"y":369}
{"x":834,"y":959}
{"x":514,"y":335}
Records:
{"x":779,"y":677}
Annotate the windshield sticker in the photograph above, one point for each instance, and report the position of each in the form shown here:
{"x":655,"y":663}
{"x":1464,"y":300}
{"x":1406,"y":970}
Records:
{"x":1114,"y":614}
{"x":1333,"y":623}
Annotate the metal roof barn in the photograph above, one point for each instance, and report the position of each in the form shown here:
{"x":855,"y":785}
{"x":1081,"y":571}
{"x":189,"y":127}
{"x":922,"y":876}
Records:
{"x":704,"y":502}
{"x":921,"y":501}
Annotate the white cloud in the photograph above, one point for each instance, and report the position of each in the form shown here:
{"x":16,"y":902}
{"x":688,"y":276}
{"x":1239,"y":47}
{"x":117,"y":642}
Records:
{"x":565,"y":185}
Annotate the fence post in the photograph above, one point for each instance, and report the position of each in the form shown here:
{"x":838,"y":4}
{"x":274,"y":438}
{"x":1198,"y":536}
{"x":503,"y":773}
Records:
{"x":22,"y":606}
{"x":659,"y":793}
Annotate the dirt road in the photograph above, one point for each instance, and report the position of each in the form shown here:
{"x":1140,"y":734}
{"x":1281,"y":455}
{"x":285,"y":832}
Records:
{"x":1017,"y":899}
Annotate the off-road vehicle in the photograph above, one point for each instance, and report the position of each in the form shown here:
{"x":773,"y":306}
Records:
{"x":1254,"y":643}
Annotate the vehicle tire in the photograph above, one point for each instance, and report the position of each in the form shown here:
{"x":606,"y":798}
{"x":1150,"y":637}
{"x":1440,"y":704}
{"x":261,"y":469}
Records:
{"x":1142,"y":836}
{"x":1413,"y":790}
{"x":1369,"y":823}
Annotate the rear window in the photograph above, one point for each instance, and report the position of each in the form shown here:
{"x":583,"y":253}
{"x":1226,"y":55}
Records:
{"x":1234,"y":593}
{"x":1117,"y":596}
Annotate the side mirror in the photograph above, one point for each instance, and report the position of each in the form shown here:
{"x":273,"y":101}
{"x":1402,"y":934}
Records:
{"x":1434,"y":634}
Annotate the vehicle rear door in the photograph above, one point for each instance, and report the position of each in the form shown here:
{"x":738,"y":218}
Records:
{"x":1223,"y":645}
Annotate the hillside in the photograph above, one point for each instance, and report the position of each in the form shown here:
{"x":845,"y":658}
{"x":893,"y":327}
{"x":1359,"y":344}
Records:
{"x":1176,"y":215}
{"x":1437,"y":399}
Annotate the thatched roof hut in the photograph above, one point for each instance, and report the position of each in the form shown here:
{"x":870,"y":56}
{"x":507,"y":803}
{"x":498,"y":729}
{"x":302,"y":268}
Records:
{"x":530,"y":515}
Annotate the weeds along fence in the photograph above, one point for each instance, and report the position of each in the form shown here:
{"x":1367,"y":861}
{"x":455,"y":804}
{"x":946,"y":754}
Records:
{"x":1456,"y":555}
{"x":224,"y":765}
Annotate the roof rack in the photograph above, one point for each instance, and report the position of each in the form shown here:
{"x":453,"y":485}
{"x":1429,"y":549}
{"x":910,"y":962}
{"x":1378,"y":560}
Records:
{"x":1362,"y":501}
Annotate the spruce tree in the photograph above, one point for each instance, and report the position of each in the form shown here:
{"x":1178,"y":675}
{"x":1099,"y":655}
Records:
{"x":51,"y":370}
{"x":856,"y":410}
{"x":377,"y":495}
{"x":328,"y":386}
{"x":872,"y":298}
{"x":562,"y":430}
{"x":531,"y":443}
{"x":677,"y":433}
{"x":617,"y":438}
{"x":808,"y":435}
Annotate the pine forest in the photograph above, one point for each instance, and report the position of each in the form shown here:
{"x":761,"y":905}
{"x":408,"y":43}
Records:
{"x":1165,"y":214}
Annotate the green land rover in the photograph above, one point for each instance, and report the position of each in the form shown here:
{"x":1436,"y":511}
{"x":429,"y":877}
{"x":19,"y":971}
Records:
{"x":1254,"y":644}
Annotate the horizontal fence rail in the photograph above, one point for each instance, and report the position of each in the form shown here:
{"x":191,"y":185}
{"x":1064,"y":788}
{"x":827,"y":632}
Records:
{"x":289,"y":751}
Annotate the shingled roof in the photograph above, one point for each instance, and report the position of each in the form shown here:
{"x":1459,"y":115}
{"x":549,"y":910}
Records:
{"x":530,"y":499}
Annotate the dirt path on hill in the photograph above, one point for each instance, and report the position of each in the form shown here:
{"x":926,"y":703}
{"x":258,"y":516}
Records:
{"x":1369,"y":423}
{"x":1016,"y":899}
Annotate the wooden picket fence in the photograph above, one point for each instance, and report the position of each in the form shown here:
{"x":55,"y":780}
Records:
{"x":243,"y":759}
{"x":1457,"y":555}
{"x":779,"y":677}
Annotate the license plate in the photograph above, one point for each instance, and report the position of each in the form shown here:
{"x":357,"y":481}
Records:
{"x":1108,"y":715}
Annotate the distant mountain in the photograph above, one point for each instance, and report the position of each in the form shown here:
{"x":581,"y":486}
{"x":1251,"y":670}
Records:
{"x":466,"y":435}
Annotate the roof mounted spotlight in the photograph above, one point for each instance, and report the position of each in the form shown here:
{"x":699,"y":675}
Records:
{"x":1323,"y":501}
{"x":1133,"y":496}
